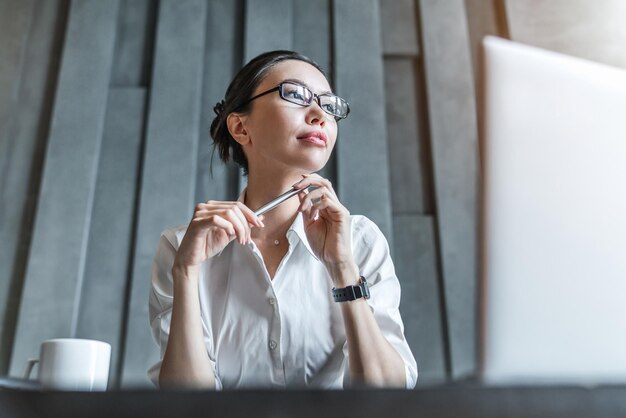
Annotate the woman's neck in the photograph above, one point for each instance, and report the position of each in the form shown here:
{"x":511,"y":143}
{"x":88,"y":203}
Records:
{"x":277,"y":221}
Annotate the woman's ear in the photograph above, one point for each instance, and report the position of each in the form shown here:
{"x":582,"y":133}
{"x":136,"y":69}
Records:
{"x":236,"y":126}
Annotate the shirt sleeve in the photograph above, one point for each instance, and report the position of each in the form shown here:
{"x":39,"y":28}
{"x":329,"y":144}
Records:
{"x":161,"y":299}
{"x":371,"y":252}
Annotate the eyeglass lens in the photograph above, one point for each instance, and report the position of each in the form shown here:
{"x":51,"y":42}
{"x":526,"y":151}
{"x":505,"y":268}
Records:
{"x":298,"y":94}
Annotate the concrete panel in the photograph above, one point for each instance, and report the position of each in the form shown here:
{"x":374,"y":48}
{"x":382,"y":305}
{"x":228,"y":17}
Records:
{"x":222,"y":60}
{"x":102,"y":302}
{"x":15,"y":21}
{"x":363,"y":169}
{"x":483,"y":18}
{"x":133,"y":52}
{"x":398,"y":18}
{"x":591,"y":30}
{"x":22,"y":144}
{"x":312,"y":31}
{"x":57,"y":253}
{"x":416,"y":267}
{"x":452,"y":113}
{"x":312,"y":37}
{"x":408,"y":171}
{"x":268,"y":26}
{"x":169,"y":165}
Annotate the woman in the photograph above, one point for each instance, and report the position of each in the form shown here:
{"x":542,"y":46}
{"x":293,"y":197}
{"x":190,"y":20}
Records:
{"x":244,"y":301}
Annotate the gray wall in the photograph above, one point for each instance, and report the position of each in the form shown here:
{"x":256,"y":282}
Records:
{"x":104,"y":114}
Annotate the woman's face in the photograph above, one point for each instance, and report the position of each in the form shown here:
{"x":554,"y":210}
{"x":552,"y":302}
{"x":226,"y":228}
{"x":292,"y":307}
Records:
{"x":286,"y":135}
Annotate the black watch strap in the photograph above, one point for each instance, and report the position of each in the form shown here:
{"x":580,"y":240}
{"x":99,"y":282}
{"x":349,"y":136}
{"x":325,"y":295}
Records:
{"x":348,"y":293}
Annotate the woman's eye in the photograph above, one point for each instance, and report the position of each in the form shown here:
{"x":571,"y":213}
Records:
{"x":296,"y":94}
{"x":330,"y":107}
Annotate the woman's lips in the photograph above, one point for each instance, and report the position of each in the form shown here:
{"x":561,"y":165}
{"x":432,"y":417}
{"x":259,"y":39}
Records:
{"x":316,"y":138}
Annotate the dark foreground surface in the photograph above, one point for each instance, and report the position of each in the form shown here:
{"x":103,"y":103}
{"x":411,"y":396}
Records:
{"x":446,"y":401}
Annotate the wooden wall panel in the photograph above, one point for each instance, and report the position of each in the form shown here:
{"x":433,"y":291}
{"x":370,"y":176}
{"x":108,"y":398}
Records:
{"x":133,"y":57}
{"x":23,"y":135}
{"x":363,"y":169}
{"x":416,"y":267}
{"x":483,"y":18}
{"x":169,"y":165}
{"x":15,"y":23}
{"x":398,"y":21}
{"x":312,"y":31}
{"x":268,"y":26}
{"x":224,"y":33}
{"x":452,"y":116}
{"x":591,"y":30}
{"x":57,"y":254}
{"x":407,"y":171}
{"x":103,"y":297}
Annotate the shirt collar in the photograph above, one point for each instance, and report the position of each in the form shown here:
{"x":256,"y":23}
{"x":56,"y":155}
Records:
{"x":297,"y":226}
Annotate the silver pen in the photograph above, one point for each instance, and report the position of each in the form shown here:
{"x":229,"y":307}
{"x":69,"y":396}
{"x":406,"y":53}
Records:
{"x":280,"y":199}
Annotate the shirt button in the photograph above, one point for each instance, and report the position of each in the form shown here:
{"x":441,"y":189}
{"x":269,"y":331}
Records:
{"x":273,"y":344}
{"x":272,"y":301}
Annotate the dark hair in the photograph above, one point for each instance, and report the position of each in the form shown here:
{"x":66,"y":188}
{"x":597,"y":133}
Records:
{"x":238,"y":93}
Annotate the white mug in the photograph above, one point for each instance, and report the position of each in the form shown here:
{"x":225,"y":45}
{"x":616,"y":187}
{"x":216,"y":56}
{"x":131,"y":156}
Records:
{"x":72,"y":364}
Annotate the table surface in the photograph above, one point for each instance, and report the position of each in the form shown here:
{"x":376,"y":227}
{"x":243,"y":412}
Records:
{"x":462,"y":400}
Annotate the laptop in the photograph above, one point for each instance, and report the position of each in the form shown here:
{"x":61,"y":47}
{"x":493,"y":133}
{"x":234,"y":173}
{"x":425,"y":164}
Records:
{"x":553,"y":218}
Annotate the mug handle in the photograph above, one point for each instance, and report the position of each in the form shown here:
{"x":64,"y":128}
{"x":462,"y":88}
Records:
{"x":30,"y":363}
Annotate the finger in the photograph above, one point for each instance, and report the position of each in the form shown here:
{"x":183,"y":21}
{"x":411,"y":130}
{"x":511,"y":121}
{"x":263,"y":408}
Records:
{"x":238,"y":213}
{"x":315,"y":180}
{"x":230,"y":214}
{"x":244,"y":222}
{"x":250,"y":215}
{"x":314,"y":197}
{"x":215,"y":221}
{"x":224,"y":225}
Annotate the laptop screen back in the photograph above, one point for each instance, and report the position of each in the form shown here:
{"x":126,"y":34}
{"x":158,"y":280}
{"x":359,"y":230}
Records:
{"x":553,"y":228}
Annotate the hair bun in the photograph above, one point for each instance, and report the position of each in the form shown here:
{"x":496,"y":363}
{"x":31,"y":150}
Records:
{"x":219,"y":107}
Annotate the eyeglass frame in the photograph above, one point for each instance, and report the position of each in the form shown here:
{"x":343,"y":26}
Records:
{"x":315,"y":97}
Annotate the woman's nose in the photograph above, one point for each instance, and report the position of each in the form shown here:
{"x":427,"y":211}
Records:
{"x":315,"y":114}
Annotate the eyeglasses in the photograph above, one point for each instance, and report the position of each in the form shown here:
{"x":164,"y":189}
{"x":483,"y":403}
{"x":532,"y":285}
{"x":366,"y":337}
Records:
{"x":301,"y":95}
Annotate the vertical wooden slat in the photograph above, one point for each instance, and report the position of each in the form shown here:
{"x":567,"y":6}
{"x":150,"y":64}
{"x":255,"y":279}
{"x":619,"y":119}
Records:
{"x":17,"y":149}
{"x":101,"y":312}
{"x":169,"y":165}
{"x":590,"y":30}
{"x":414,"y":236}
{"x":452,"y":115}
{"x":223,"y":59}
{"x":408,"y":173}
{"x":134,"y":43}
{"x":268,"y":26}
{"x":312,"y":31}
{"x":363,"y":169}
{"x":398,"y":21}
{"x":417,"y":272}
{"x":15,"y":23}
{"x":57,"y":254}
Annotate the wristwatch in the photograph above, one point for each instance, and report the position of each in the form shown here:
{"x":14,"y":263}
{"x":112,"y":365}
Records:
{"x":348,"y":293}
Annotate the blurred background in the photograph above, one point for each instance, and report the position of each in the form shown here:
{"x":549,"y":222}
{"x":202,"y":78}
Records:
{"x":104,"y":115}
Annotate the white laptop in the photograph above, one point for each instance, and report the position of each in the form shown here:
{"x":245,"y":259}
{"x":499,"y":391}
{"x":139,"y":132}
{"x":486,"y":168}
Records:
{"x":553,"y":227}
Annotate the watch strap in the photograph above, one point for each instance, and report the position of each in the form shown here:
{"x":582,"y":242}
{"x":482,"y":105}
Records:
{"x":354,"y":292}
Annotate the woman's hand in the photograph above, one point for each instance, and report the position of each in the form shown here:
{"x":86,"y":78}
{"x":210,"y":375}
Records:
{"x":329,"y":235}
{"x":213,"y":226}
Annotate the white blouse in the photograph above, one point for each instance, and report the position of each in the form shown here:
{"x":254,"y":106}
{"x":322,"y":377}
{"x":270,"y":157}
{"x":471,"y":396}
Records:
{"x":285,"y":332}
